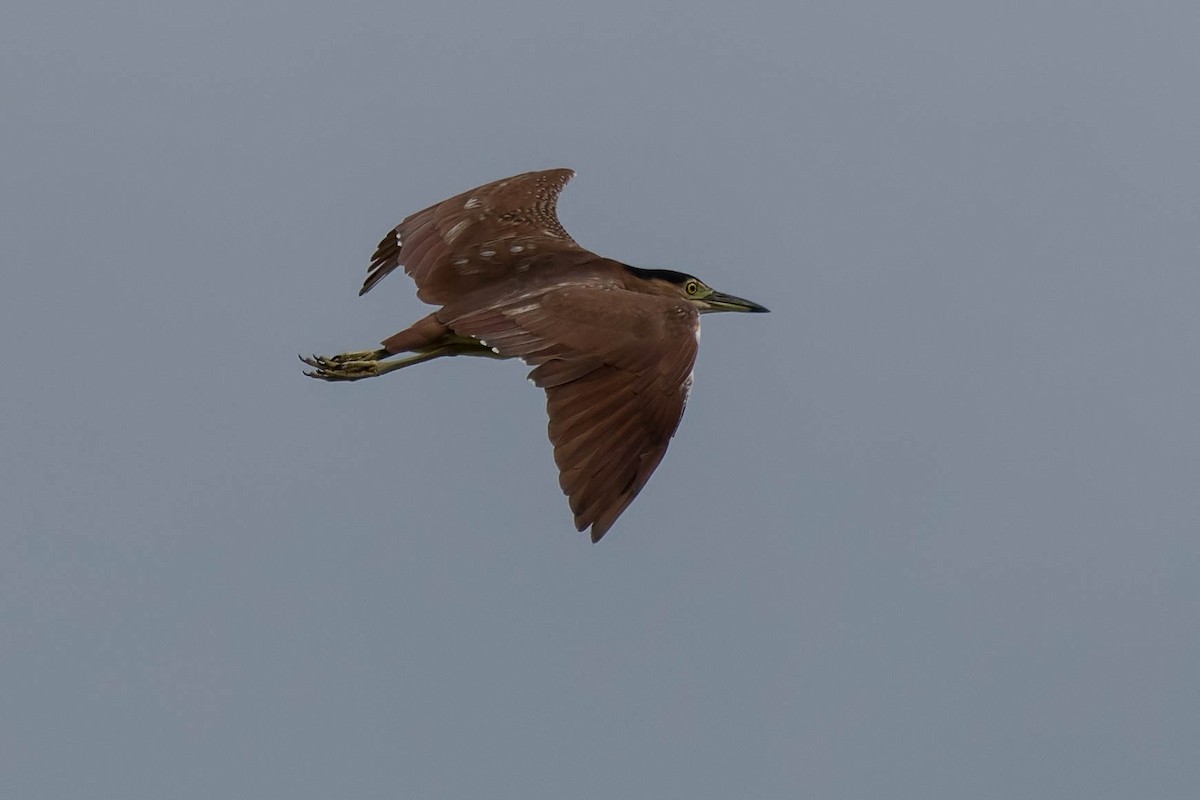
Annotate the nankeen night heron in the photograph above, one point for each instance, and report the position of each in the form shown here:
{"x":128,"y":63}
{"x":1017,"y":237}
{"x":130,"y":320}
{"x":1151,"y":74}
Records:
{"x":612,"y":345}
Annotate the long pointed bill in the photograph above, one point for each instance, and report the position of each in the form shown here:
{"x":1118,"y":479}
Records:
{"x":718,"y":301}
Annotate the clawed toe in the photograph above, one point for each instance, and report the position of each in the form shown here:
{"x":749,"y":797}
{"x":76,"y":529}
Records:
{"x":344,"y":371}
{"x":343,"y":367}
{"x":363,"y":364}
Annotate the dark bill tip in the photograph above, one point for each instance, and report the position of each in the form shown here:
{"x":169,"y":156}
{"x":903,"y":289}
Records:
{"x":718,"y":301}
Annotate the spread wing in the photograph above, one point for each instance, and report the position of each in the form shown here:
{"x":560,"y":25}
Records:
{"x":476,"y":237}
{"x":616,"y":366}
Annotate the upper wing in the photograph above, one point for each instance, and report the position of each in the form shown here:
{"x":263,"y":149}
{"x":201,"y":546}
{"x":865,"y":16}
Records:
{"x":476,"y":237}
{"x":616,"y":366}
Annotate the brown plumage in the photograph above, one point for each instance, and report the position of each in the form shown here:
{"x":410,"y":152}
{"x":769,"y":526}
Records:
{"x":613,"y":346}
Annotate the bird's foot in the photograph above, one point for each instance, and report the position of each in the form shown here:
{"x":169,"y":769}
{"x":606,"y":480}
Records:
{"x":345,"y":366}
{"x":357,"y":355}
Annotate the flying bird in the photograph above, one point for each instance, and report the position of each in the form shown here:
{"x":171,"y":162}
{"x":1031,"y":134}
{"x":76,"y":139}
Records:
{"x":612,"y":345}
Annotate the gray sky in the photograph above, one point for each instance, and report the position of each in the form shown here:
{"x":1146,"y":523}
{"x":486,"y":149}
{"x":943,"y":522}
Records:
{"x":929,"y":530}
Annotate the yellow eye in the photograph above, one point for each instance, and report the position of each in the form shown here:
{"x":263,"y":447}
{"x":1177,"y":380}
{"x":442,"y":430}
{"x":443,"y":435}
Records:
{"x":691,"y":287}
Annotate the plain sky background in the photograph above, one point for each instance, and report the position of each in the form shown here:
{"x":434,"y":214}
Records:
{"x":929,"y":530}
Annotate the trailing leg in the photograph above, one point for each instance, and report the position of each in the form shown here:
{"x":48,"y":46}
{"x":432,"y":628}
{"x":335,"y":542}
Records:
{"x":426,"y":340}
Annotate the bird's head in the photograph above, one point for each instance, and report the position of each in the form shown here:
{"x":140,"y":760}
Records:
{"x":695,"y":291}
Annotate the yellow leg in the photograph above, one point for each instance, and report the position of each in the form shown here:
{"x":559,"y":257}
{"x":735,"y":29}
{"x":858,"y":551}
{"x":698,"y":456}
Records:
{"x":370,"y":363}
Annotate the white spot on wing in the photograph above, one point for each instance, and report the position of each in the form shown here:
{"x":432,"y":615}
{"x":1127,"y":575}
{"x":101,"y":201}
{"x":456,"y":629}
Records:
{"x":455,"y":229}
{"x":465,"y":267}
{"x":472,"y":202}
{"x":512,"y":312}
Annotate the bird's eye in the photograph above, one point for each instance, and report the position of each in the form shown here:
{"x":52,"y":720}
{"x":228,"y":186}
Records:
{"x":691,"y":288}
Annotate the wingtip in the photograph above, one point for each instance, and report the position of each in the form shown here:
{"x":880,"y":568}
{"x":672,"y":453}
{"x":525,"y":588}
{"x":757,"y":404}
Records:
{"x":370,"y":282}
{"x":597,"y":530}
